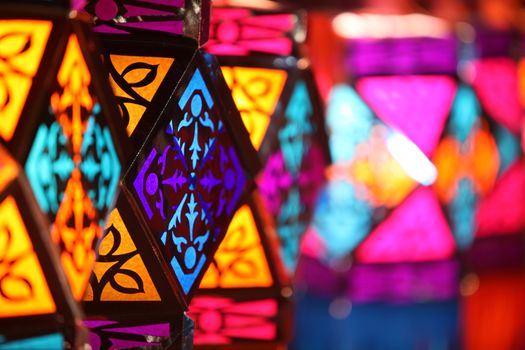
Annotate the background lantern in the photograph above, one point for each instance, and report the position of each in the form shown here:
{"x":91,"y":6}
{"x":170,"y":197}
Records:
{"x":279,"y":103}
{"x":60,"y":124}
{"x":246,"y":281}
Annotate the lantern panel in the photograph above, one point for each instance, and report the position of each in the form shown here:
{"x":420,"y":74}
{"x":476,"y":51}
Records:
{"x":421,"y":227}
{"x":294,"y":171}
{"x":120,"y":272}
{"x":22,"y":44}
{"x":23,"y":286}
{"x":190,"y":182}
{"x":220,"y":320}
{"x":127,"y":334}
{"x":162,"y":16}
{"x":501,"y":211}
{"x":135,"y":80}
{"x":401,"y":101}
{"x":240,"y":261}
{"x":73,"y":167}
{"x":255,"y":92}
{"x":237,"y":31}
{"x":496,"y":83}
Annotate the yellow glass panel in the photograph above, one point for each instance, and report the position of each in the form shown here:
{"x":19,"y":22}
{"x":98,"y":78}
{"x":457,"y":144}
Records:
{"x":8,"y":169}
{"x":378,"y":176}
{"x":142,"y":75}
{"x":126,"y":254}
{"x":23,"y":287}
{"x":75,"y":231}
{"x":255,"y":92}
{"x":240,"y":261}
{"x":68,"y":106}
{"x":22,"y":44}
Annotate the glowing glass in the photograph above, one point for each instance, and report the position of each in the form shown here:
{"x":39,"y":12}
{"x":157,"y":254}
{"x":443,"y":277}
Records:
{"x":22,"y":45}
{"x":238,"y":31}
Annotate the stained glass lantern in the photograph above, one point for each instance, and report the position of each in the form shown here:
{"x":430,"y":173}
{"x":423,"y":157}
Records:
{"x":60,"y":125}
{"x":380,"y":214}
{"x":194,"y":163}
{"x":274,"y":90}
{"x":243,"y":298}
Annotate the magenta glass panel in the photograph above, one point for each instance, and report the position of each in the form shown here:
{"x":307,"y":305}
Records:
{"x":236,"y":31}
{"x":418,"y":106}
{"x":502,"y":211}
{"x":496,"y":83}
{"x":403,"y":282}
{"x":415,"y":231}
{"x":220,"y":320}
{"x":401,"y":56}
{"x":119,"y":335}
{"x":123,"y":16}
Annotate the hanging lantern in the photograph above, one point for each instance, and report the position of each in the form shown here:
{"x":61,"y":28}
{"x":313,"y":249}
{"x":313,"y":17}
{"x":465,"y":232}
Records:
{"x":274,"y":90}
{"x":64,"y":144}
{"x":379,"y":215}
{"x":194,"y":164}
{"x":246,"y":281}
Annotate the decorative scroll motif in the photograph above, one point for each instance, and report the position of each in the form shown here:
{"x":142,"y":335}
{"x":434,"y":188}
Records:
{"x":294,"y":174}
{"x":255,"y":92}
{"x":73,"y":167}
{"x":225,"y":320}
{"x":23,"y":286}
{"x":240,"y":261}
{"x":135,"y":80}
{"x":22,"y":44}
{"x":241,"y":31}
{"x":123,"y":335}
{"x":126,"y":16}
{"x":119,"y":273}
{"x":190,"y":188}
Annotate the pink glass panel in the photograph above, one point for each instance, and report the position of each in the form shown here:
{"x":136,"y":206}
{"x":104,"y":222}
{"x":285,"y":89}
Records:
{"x":502,"y":211}
{"x":417,"y":106}
{"x":415,"y":231}
{"x":496,"y":83}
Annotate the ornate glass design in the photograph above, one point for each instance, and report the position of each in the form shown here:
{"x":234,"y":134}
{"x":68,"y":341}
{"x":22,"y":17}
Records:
{"x":180,"y":17}
{"x":60,"y":170}
{"x":73,"y":167}
{"x":190,"y":182}
{"x":241,"y":31}
{"x":280,"y":108}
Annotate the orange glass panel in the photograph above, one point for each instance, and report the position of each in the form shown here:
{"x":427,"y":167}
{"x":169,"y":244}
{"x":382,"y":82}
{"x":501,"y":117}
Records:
{"x":23,"y":287}
{"x":74,"y":78}
{"x":8,"y":169}
{"x":478,"y":162}
{"x":141,"y":76}
{"x":240,"y":261}
{"x":255,"y":92}
{"x":22,"y":44}
{"x":120,"y":265}
{"x":75,"y":232}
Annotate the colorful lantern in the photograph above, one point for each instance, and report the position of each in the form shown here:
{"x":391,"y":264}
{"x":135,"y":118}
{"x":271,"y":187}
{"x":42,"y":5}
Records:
{"x":275,"y":93}
{"x":194,"y":165}
{"x":64,"y":146}
{"x":245,"y":282}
